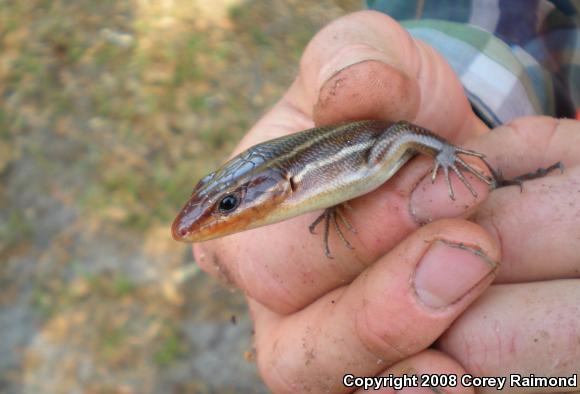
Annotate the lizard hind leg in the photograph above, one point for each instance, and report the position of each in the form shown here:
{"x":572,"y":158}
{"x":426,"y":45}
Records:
{"x":403,"y":140}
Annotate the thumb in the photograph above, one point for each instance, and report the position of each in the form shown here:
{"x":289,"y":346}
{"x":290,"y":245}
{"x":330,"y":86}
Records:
{"x":394,"y":309}
{"x":366,"y":66}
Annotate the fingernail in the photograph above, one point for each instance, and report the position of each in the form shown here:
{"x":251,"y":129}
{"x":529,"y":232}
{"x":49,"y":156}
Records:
{"x":448,"y":271}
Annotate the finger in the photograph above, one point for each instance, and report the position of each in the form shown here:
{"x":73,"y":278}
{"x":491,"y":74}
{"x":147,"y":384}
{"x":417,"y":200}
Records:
{"x":531,"y":142}
{"x":531,"y":328}
{"x":434,"y":372}
{"x":258,"y":261}
{"x":375,"y":69}
{"x":537,"y":227}
{"x":433,"y":276}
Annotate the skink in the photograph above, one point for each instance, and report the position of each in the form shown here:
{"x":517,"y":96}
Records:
{"x":319,"y":168}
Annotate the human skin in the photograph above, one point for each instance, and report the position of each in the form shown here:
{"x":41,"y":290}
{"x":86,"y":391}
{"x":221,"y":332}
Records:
{"x":492,"y":295}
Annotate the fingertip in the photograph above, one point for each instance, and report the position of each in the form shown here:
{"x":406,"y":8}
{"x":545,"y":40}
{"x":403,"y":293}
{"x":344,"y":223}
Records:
{"x":430,"y":201}
{"x":450,"y":271}
{"x":353,"y":38}
{"x":433,"y":275}
{"x":527,"y":143}
{"x":370,"y":89}
{"x":360,"y":66}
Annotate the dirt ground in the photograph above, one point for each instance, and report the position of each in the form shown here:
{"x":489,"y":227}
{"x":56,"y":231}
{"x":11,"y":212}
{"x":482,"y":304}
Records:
{"x":110,"y":111}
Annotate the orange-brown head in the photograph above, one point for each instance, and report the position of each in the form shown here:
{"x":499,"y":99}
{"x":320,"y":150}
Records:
{"x":242,"y":194}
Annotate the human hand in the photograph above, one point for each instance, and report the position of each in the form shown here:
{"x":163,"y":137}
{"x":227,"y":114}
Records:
{"x":402,"y":81}
{"x":370,"y":308}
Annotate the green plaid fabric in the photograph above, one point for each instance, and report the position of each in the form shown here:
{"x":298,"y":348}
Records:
{"x":514,"y":57}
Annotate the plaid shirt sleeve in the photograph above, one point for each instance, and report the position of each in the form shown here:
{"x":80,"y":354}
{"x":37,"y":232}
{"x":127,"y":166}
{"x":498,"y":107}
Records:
{"x":513,"y":57}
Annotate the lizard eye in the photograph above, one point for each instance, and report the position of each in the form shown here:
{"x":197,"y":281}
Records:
{"x":228,"y":203}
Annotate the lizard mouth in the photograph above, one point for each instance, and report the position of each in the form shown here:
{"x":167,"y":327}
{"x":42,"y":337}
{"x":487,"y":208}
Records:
{"x":179,"y":231}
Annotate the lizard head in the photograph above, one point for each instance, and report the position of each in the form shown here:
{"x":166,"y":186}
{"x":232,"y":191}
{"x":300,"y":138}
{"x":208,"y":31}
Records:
{"x":242,"y":194}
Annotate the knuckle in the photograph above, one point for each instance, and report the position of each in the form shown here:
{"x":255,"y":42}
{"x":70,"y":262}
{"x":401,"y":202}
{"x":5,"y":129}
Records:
{"x":277,"y":378}
{"x":268,"y":288}
{"x":383,"y":337}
